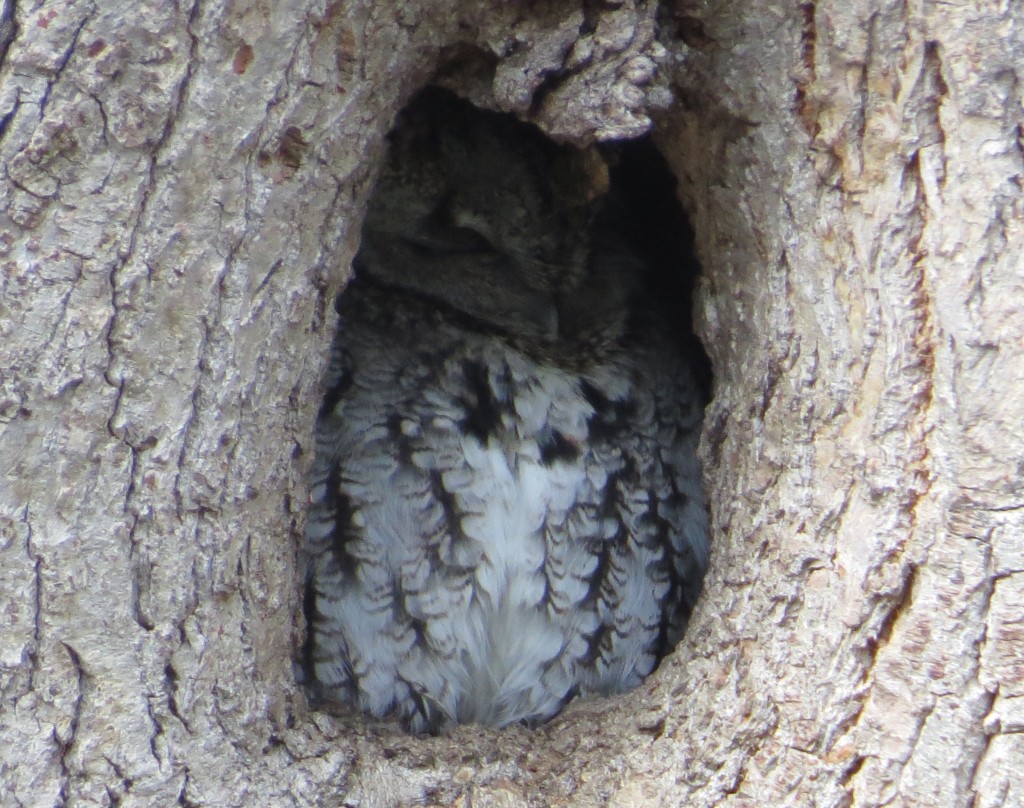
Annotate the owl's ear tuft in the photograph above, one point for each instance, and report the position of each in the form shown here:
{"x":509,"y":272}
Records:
{"x":585,"y":175}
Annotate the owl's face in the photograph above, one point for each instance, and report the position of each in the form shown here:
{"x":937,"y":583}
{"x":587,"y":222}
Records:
{"x":483,"y":213}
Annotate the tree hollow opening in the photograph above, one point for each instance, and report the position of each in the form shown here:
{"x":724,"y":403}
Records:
{"x":506,"y":501}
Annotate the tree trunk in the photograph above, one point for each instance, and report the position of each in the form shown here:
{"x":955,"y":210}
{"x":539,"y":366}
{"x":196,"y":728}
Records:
{"x":182,"y":192}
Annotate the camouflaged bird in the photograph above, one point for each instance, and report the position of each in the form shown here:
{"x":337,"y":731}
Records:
{"x":506,"y":507}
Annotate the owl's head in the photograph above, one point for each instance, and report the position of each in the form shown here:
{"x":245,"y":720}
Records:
{"x":483,"y":213}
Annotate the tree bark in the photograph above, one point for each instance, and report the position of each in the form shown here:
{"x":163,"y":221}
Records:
{"x":181,"y":194}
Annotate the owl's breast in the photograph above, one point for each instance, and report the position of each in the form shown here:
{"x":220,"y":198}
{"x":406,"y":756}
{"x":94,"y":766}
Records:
{"x":492,"y":523}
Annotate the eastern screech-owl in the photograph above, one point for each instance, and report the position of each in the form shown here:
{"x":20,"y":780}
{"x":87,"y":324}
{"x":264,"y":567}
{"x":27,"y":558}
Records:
{"x":506,"y":507}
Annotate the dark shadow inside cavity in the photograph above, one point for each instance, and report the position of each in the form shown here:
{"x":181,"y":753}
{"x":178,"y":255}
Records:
{"x":643,"y":208}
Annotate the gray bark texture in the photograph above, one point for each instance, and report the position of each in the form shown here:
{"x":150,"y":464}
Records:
{"x":181,"y":193}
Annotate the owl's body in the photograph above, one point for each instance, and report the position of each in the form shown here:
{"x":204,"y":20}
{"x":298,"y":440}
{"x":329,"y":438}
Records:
{"x":506,"y":506}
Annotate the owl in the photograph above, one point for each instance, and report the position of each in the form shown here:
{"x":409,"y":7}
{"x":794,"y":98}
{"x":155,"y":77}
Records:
{"x":506,"y":507}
